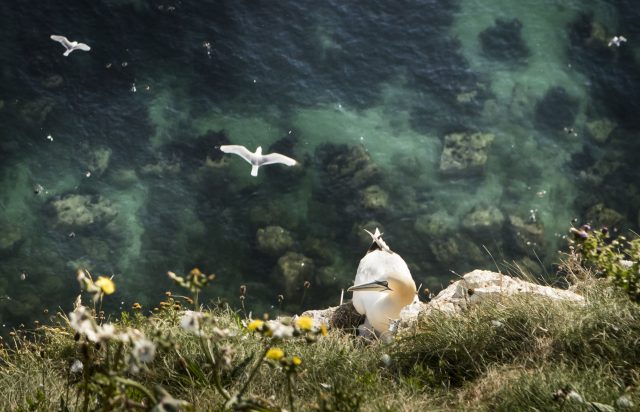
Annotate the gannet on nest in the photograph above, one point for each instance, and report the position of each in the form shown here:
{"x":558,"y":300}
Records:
{"x":382,"y":287}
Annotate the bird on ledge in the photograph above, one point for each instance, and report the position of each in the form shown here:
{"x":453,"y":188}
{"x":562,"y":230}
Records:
{"x":382,"y":287}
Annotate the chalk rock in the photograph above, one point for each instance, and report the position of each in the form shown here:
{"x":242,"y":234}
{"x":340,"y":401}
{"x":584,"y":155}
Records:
{"x":479,"y":286}
{"x":475,"y":287}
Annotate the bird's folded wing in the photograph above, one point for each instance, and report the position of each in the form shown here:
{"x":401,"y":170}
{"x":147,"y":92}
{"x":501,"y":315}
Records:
{"x":237,"y":149}
{"x":61,"y":39}
{"x":83,"y":46}
{"x":278,"y":158}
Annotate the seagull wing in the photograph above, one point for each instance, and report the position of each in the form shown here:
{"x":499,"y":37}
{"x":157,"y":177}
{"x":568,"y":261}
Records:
{"x":277,"y":158}
{"x":241,"y":151}
{"x":83,"y":46}
{"x":62,"y":40}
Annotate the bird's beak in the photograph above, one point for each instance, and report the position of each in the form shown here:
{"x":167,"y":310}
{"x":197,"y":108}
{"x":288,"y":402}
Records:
{"x":375,"y":286}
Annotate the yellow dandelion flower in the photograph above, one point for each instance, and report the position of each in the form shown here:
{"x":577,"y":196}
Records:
{"x":323,"y":330}
{"x":304,"y":323}
{"x":296,"y":361}
{"x":274,"y":354}
{"x":255,"y":325}
{"x":106,"y":285}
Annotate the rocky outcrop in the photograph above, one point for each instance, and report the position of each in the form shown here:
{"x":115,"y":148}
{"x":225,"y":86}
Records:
{"x":474,"y":288}
{"x":465,"y":154}
{"x":477,"y":287}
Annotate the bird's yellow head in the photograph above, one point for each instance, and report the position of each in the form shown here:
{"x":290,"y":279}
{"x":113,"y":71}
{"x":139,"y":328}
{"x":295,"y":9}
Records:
{"x":400,"y":285}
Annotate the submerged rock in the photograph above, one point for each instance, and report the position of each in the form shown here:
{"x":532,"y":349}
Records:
{"x":481,"y":220}
{"x":78,"y":211}
{"x":348,"y":168}
{"x":600,"y":216}
{"x":10,"y":236}
{"x":433,"y":224}
{"x":295,"y":269}
{"x":123,"y":178}
{"x":456,"y":250}
{"x":321,"y":250}
{"x":556,"y":110}
{"x":52,"y":82}
{"x":600,"y":129}
{"x":374,"y":198}
{"x":527,"y":236}
{"x":273,"y":240}
{"x":161,"y":167}
{"x":97,"y":161}
{"x":503,"y":41}
{"x":36,"y":111}
{"x":465,"y":154}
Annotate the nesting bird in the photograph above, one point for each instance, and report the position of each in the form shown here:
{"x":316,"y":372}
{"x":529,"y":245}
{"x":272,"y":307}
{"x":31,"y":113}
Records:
{"x":257,"y":159}
{"x":69,"y":45}
{"x":382,"y":287}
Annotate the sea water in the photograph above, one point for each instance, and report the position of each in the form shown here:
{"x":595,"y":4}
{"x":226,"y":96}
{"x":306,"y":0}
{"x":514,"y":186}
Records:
{"x":362,"y":94}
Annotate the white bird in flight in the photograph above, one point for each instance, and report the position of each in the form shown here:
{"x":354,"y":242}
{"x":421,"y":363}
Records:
{"x":617,"y":41}
{"x":70,"y":45}
{"x":383,"y":286}
{"x":257,"y":159}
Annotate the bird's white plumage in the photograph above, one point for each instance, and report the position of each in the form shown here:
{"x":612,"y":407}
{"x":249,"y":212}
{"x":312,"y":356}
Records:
{"x":70,"y":45}
{"x":617,"y":41}
{"x":257,"y":159}
{"x":382,"y":304}
{"x":277,"y":158}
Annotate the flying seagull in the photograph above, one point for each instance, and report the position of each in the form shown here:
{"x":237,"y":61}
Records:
{"x":257,"y":159}
{"x":70,"y":45}
{"x":617,"y":41}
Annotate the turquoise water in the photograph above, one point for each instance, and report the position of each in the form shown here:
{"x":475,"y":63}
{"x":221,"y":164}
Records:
{"x":363,"y":95}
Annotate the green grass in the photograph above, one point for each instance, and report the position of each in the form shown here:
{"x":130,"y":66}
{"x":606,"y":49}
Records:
{"x":509,"y":354}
